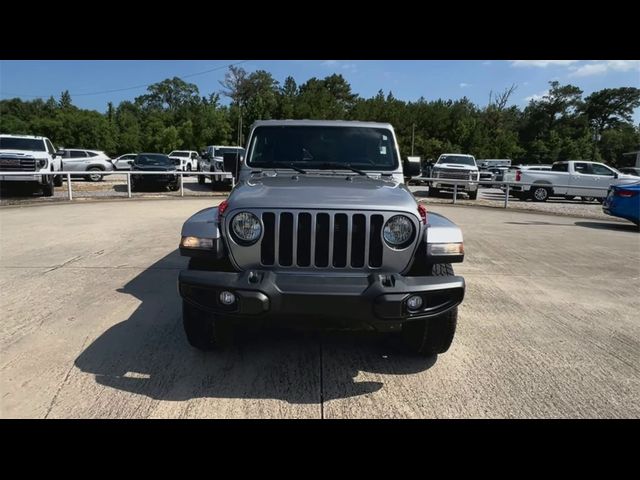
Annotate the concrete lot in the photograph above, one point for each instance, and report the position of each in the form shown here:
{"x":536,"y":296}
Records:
{"x":91,"y":327}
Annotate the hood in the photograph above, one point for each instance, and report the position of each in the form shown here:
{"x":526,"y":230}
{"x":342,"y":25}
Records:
{"x":22,"y":153}
{"x":153,"y":168}
{"x":322,"y":192}
{"x":455,"y":166}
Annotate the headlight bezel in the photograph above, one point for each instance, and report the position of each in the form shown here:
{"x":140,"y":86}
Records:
{"x":236,"y":237}
{"x":405,"y":243}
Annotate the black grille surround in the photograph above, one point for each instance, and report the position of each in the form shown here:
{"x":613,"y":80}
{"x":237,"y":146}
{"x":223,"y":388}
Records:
{"x":321,"y":240}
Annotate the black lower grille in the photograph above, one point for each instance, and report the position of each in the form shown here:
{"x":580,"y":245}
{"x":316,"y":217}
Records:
{"x":322,"y":240}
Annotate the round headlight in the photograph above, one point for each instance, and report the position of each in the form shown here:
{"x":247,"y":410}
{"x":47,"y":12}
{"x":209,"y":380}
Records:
{"x":398,"y":232}
{"x":246,"y":228}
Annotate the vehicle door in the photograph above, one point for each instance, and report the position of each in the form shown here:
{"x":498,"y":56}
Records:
{"x":75,"y":160}
{"x":122,"y":162}
{"x":194,"y":160}
{"x":583,"y":182}
{"x":55,"y":159}
{"x":603,"y":178}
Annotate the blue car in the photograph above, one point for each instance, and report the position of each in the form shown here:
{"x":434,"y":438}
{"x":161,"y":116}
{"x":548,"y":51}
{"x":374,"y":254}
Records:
{"x":623,"y":201}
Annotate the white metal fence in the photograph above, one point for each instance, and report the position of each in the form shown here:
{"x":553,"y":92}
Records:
{"x":499,"y":184}
{"x":128,"y":173}
{"x":455,"y":182}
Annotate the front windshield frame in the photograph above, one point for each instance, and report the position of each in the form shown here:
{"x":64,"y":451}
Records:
{"x":385,"y":135}
{"x":463,"y":160}
{"x":153,"y":160}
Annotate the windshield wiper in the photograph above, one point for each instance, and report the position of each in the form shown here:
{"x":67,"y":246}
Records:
{"x":341,"y":166}
{"x":297,"y":169}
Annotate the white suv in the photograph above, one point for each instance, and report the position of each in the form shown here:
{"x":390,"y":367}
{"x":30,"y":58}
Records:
{"x":28,"y":153}
{"x":185,"y":160}
{"x":90,"y":162}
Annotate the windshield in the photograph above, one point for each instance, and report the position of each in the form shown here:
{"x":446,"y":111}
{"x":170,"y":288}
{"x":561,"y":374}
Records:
{"x":179,"y":154}
{"x":221,"y":152}
{"x":32,"y":144}
{"x":364,"y":148}
{"x":153,"y":159}
{"x":457,"y":159}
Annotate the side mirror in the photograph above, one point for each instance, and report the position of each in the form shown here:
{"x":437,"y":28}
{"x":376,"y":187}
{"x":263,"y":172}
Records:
{"x":410,"y":168}
{"x":130,"y":162}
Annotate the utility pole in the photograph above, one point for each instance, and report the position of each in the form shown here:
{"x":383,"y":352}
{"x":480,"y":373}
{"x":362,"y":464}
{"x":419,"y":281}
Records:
{"x":413,"y":138}
{"x":596,"y":139}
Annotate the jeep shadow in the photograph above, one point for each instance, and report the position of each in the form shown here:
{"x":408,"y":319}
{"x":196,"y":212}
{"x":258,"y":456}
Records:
{"x":148,"y":354}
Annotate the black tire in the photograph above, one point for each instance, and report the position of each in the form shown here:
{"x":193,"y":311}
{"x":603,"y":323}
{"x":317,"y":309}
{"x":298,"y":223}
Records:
{"x":434,"y":335}
{"x":47,"y":188}
{"x":206,"y":331}
{"x":174,"y":187}
{"x":519,"y":195}
{"x":93,"y":176}
{"x":473,"y":195}
{"x":434,"y":192}
{"x":587,"y":199}
{"x":201,"y":179}
{"x":539,"y":193}
{"x":57,"y":181}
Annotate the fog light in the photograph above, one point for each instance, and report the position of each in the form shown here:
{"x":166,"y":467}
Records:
{"x":227,"y":298}
{"x":414,"y":302}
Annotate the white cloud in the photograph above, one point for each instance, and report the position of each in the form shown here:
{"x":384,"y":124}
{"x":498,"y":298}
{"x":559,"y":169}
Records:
{"x":536,"y":96}
{"x":330,"y":63}
{"x":465,"y":85}
{"x":542,"y":63}
{"x":599,"y":68}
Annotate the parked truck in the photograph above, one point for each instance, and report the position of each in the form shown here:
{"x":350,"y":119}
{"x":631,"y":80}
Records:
{"x":28,"y":153}
{"x":455,"y":166}
{"x":568,"y":179}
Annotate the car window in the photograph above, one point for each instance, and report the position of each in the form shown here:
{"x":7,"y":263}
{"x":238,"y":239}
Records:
{"x":91,"y":154}
{"x":560,"y":167}
{"x":77,"y":154}
{"x":600,"y":170}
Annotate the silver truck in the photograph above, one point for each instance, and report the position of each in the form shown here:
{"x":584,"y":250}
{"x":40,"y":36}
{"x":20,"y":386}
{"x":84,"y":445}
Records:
{"x":28,"y":153}
{"x":220,"y":158}
{"x":321,"y":228}
{"x":455,"y":166}
{"x":568,"y":179}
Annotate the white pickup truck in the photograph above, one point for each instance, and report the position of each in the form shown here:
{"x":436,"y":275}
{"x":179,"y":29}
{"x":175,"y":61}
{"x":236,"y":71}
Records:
{"x":569,"y":179}
{"x":28,"y":153}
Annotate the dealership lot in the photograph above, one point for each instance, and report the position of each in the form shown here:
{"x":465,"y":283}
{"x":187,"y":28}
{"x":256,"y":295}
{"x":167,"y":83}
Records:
{"x":91,"y":326}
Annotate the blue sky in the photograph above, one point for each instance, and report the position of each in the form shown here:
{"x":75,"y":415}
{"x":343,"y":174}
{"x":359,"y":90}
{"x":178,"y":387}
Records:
{"x":407,"y":79}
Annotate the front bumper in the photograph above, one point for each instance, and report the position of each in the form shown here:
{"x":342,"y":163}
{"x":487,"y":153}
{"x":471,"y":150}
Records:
{"x":168,"y":178}
{"x":462,"y":187}
{"x":40,"y":179}
{"x":377,"y":300}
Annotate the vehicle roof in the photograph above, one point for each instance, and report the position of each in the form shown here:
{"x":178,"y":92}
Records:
{"x":152,"y":153}
{"x":320,"y":123}
{"x":22,"y":136}
{"x":224,"y":146}
{"x":457,"y":154}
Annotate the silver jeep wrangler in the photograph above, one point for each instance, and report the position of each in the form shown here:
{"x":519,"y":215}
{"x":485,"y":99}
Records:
{"x":321,"y":228}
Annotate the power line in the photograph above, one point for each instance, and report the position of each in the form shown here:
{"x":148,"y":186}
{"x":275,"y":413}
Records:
{"x":129,"y":88}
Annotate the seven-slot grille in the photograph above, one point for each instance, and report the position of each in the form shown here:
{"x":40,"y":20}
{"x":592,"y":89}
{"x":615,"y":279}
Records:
{"x":322,"y":239}
{"x":17,"y":164}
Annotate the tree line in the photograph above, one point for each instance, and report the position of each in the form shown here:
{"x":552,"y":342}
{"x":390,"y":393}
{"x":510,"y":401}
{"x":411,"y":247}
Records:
{"x":172,"y":114}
